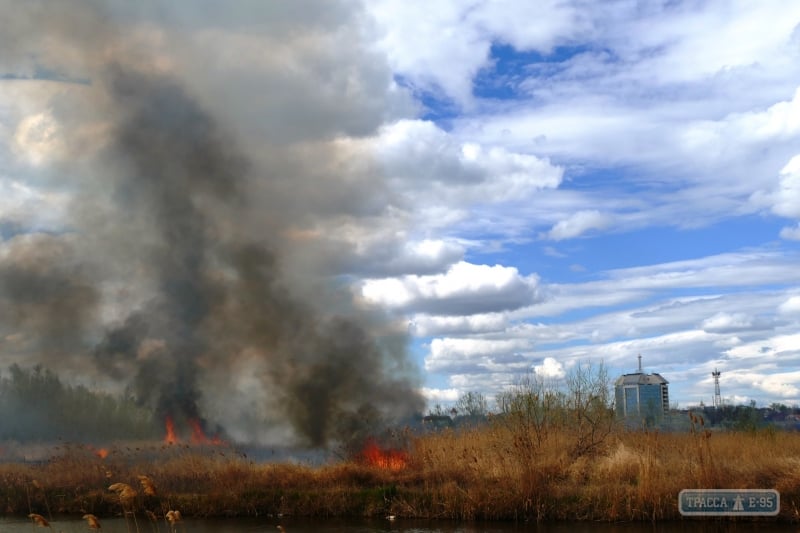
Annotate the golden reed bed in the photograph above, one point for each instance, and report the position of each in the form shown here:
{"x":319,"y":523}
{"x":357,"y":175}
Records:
{"x":491,"y":472}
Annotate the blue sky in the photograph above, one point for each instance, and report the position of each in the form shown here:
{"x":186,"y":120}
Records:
{"x":672,"y":229}
{"x":522,"y":186}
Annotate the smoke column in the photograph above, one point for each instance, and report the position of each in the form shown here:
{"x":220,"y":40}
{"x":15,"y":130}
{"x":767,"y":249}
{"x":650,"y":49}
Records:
{"x":167,"y":276}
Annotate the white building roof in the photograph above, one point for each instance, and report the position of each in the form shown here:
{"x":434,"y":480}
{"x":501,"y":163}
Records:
{"x":640,"y":378}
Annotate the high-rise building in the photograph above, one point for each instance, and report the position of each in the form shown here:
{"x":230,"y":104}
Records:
{"x":641,"y":396}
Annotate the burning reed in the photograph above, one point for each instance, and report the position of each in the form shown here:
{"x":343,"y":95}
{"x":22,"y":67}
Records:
{"x":483,"y":473}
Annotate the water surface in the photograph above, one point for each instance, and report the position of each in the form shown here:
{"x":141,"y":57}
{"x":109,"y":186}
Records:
{"x":296,"y":525}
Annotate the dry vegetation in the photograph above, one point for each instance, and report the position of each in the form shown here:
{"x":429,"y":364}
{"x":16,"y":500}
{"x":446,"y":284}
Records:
{"x":634,"y":476}
{"x":489,"y":472}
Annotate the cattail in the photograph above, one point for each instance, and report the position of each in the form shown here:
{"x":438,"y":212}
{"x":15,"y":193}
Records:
{"x":125,"y":492}
{"x":39,"y":520}
{"x":173,"y":517}
{"x":151,"y":515}
{"x":147,"y":486}
{"x":92,"y":521}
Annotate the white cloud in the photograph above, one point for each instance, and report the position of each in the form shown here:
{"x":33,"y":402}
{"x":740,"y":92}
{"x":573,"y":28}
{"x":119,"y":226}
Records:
{"x":792,"y":305}
{"x":472,"y":355}
{"x":694,"y":41}
{"x":778,"y":346}
{"x":657,"y":44}
{"x":429,"y":326}
{"x":550,"y":368}
{"x":464,"y":289}
{"x":725,"y":78}
{"x":791,"y":233}
{"x":530,"y":26}
{"x":553,"y":252}
{"x":719,"y":104}
{"x":779,"y":120}
{"x":450,"y":347}
{"x":379,"y":253}
{"x":435,"y":396}
{"x":577,"y":224}
{"x":727,"y":323}
{"x":728,"y":116}
{"x":668,"y":314}
{"x":446,"y":53}
{"x":722,"y":270}
{"x":665,"y":332}
{"x":787,"y":197}
{"x":629,"y":285}
{"x":433,"y":167}
{"x":782,"y":385}
{"x":451,"y":42}
{"x":713,"y":139}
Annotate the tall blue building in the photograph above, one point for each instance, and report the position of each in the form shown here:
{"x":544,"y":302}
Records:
{"x":641,"y":396}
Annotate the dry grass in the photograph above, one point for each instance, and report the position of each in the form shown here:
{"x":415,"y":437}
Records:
{"x":635,"y":476}
{"x":487,"y":473}
{"x":148,"y":488}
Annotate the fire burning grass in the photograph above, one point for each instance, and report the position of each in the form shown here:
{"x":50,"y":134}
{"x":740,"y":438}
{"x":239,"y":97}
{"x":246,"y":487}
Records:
{"x":485,"y":473}
{"x":170,"y":437}
{"x":198,"y":434}
{"x":388,"y":459}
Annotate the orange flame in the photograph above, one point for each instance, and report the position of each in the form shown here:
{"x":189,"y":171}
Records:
{"x":170,"y":437}
{"x":102,"y":453}
{"x":198,"y":435}
{"x":388,"y":459}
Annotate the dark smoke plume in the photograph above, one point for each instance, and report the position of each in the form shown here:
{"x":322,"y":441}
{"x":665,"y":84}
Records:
{"x":206,"y":303}
{"x":46,"y":291}
{"x":217,"y":293}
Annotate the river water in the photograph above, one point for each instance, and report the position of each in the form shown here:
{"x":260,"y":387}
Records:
{"x":294,"y":525}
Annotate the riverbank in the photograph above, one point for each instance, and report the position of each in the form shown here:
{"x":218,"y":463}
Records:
{"x":484,"y":473}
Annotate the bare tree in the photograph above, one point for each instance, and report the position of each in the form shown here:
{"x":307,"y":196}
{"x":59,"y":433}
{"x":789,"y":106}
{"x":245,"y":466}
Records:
{"x":472,"y":404}
{"x":588,"y":402}
{"x":530,"y":409}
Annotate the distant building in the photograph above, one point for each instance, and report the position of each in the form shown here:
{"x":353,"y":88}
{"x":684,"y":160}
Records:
{"x":437,"y":421}
{"x":641,"y":396}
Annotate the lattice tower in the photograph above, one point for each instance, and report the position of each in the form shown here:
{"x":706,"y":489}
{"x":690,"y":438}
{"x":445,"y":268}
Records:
{"x":717,"y":396}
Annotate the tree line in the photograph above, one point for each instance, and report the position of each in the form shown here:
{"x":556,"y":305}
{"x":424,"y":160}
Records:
{"x":36,"y":405}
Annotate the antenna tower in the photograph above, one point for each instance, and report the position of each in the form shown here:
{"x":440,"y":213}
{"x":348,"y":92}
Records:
{"x":717,"y":396}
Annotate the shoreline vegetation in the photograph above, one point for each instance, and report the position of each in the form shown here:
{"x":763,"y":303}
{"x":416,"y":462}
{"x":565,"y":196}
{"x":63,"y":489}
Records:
{"x":549,"y":451}
{"x":486,"y":472}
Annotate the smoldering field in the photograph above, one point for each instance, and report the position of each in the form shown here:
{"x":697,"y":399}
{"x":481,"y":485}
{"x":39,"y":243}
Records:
{"x":495,"y":471}
{"x":175,"y":252}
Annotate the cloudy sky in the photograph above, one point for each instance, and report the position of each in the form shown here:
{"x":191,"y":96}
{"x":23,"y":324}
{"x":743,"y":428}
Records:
{"x":521,"y":186}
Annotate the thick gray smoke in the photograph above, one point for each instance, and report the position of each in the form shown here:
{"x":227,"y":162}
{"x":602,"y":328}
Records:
{"x":167,"y":275}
